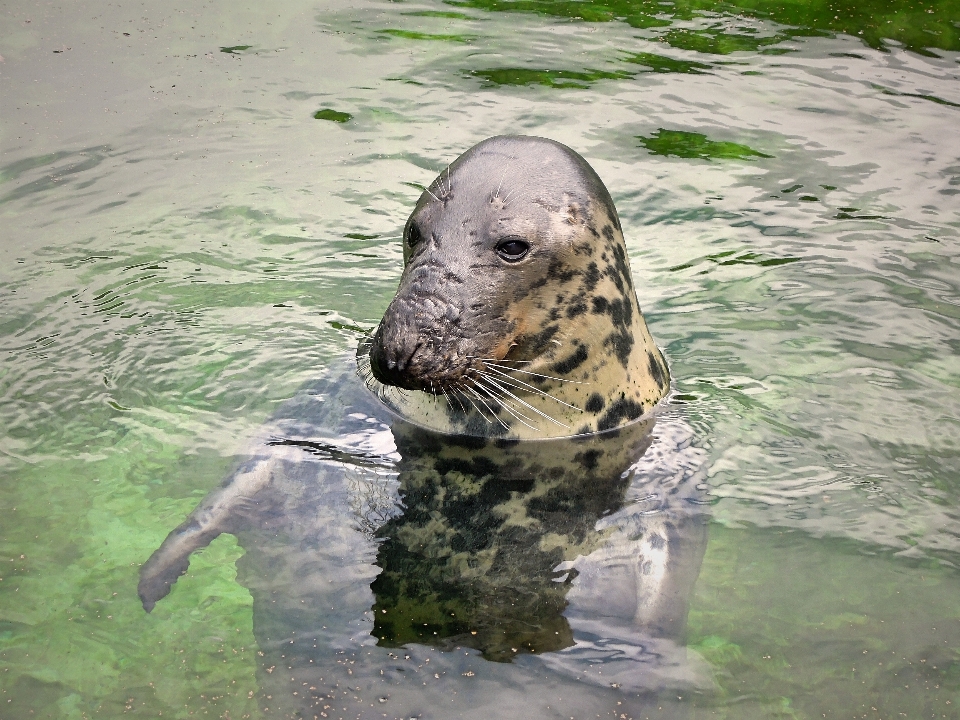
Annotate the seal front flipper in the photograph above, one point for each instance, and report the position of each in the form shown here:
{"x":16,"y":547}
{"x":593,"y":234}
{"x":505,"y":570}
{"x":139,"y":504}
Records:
{"x":170,"y":561}
{"x":240,"y":498}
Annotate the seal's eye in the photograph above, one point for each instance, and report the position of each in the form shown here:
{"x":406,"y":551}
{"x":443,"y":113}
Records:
{"x":512,"y":249}
{"x":413,"y":236}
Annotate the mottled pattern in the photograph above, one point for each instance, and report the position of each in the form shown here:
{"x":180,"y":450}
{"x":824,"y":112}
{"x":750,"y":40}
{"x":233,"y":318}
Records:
{"x":445,"y":540}
{"x":472,"y":561}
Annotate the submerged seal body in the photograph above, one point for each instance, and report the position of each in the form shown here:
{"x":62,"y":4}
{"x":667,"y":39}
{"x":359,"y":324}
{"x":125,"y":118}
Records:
{"x":362,"y":534}
{"x":516,"y":315}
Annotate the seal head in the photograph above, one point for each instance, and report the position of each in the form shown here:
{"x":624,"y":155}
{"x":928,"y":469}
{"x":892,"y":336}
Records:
{"x":516,"y":315}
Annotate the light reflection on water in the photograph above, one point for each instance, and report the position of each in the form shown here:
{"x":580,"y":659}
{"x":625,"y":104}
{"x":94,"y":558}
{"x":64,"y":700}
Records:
{"x":184,"y":246}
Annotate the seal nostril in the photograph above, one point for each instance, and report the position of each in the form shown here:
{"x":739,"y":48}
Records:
{"x":403,"y":362}
{"x":392,"y":352}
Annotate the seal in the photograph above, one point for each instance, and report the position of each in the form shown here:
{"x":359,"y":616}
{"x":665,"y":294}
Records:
{"x":516,"y":315}
{"x":515,"y":318}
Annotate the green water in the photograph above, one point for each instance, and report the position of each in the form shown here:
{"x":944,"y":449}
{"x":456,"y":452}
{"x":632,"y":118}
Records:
{"x":201,"y":204}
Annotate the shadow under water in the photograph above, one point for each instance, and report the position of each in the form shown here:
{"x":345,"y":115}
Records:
{"x":361,"y":531}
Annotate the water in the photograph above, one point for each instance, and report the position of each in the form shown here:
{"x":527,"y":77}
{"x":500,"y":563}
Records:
{"x":185,"y":245}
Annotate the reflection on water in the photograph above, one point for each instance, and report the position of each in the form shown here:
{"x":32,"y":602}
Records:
{"x":581,"y":549}
{"x":202,"y":208}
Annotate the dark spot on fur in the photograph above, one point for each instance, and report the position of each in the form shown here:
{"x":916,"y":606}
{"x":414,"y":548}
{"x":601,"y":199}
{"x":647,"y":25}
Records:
{"x":467,"y":441}
{"x":554,"y":314}
{"x":622,"y":343}
{"x":477,"y":425}
{"x":612,"y":214}
{"x":620,"y":257}
{"x":571,"y":362}
{"x":584,"y":248}
{"x":578,"y":308}
{"x":608,"y":232}
{"x":621,"y":411}
{"x":539,"y":341}
{"x":657,"y":542}
{"x":591,"y":277}
{"x":621,"y":313}
{"x":600,"y":305}
{"x":657,"y":371}
{"x":588,"y":459}
{"x":611,"y":272}
{"x":595,"y":403}
{"x":560,"y":272}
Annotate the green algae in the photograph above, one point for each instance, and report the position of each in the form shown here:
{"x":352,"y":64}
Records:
{"x":663,"y":64}
{"x":733,"y":257}
{"x":691,"y":145}
{"x":332,"y":115}
{"x":919,"y":26}
{"x":414,"y":35}
{"x":73,"y":637}
{"x":493,"y":77}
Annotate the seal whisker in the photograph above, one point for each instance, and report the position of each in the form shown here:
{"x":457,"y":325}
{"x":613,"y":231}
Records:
{"x":520,"y":384}
{"x":510,"y":195}
{"x":473,"y":404}
{"x":503,"y":360}
{"x":497,"y":193}
{"x":457,"y":392}
{"x":524,"y":403}
{"x":495,"y":360}
{"x":505,"y":403}
{"x":500,"y":401}
{"x":483,"y":402}
{"x":493,"y":412}
{"x":479,"y":411}
{"x":491,"y":389}
{"x":527,"y":372}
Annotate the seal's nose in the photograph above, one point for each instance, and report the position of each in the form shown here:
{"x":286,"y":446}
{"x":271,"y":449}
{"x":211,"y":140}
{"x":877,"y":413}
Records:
{"x":394,"y":346}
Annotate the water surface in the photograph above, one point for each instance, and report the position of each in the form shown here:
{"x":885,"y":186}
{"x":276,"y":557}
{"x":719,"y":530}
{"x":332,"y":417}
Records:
{"x":201,"y":207}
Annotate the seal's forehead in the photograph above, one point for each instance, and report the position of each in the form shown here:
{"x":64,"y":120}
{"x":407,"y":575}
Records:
{"x":530,"y":162}
{"x":527,"y":174}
